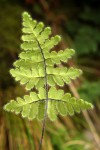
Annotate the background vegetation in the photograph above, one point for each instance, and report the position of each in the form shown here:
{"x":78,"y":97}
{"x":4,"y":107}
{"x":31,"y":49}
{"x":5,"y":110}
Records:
{"x":78,"y":22}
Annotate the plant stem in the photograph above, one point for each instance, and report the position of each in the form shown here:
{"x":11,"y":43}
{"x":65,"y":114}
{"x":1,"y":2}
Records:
{"x":46,"y":104}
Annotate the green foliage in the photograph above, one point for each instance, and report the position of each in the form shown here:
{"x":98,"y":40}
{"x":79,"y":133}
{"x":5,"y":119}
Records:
{"x":84,"y":34}
{"x":35,"y":69}
{"x":31,"y":105}
{"x":88,"y":94}
{"x":91,"y":15}
{"x":84,"y":31}
{"x":74,"y":144}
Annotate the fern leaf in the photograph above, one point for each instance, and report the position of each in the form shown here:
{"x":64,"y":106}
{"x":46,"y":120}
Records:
{"x":29,"y":69}
{"x":65,"y":103}
{"x":35,"y":68}
{"x":61,"y":55}
{"x":61,"y":75}
{"x":33,"y":105}
{"x":35,"y":77}
{"x":27,"y":106}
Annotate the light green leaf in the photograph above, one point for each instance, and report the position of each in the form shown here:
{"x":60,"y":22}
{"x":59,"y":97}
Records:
{"x":61,"y":109}
{"x":52,"y":111}
{"x":41,"y":111}
{"x":37,"y":67}
{"x":33,"y":111}
{"x":33,"y":105}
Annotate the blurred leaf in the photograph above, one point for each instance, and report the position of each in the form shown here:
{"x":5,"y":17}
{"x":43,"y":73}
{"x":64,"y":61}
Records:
{"x":90,"y":91}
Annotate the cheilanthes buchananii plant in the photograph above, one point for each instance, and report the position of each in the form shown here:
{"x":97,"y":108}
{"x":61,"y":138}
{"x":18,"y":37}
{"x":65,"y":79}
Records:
{"x":38,"y":67}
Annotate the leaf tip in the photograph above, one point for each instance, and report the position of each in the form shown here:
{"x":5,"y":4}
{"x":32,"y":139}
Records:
{"x":58,"y":38}
{"x":72,"y":51}
{"x":5,"y":107}
{"x":25,"y":13}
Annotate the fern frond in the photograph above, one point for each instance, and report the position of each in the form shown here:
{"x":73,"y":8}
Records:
{"x":62,"y":75}
{"x":35,"y":65}
{"x":36,"y":57}
{"x":36,"y":68}
{"x":63,"y":56}
{"x":35,"y":77}
{"x":33,"y":105}
{"x":29,"y":69}
{"x":65,"y":104}
{"x":28,"y":105}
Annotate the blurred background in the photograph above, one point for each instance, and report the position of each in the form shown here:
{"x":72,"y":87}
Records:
{"x":78,"y":22}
